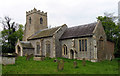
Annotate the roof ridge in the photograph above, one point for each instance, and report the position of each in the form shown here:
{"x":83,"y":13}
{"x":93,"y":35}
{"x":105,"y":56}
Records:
{"x":47,"y":33}
{"x":82,"y":25}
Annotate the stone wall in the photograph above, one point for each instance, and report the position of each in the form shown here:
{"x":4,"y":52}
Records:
{"x":99,"y":33}
{"x":8,"y":60}
{"x":68,"y":43}
{"x":95,"y":51}
{"x":80,"y":54}
{"x":56,"y":37}
{"x":110,"y":50}
{"x":55,"y":44}
{"x":43,"y":46}
{"x":0,"y":60}
{"x":28,"y":51}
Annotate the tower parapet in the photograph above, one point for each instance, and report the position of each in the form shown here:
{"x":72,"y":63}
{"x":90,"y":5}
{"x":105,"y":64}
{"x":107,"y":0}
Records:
{"x":36,"y":11}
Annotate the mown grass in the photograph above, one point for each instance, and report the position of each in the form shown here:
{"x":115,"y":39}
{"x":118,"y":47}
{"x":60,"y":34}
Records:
{"x":49,"y":67}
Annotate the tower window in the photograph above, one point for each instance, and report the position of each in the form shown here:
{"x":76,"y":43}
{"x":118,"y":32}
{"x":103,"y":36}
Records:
{"x":30,"y":20}
{"x":41,"y":21}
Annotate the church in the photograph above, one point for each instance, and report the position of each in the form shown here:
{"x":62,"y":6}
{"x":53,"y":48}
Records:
{"x":87,"y":41}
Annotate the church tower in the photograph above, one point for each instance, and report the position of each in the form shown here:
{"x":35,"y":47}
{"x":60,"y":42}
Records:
{"x":35,"y":21}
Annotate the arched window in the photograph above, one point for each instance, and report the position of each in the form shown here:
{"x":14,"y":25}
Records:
{"x":19,"y":50}
{"x":30,"y":20}
{"x":41,"y":21}
{"x":65,"y":49}
{"x":101,"y":43}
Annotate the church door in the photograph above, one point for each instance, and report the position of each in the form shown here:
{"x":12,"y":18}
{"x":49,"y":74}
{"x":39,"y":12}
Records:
{"x":19,"y":51}
{"x":71,"y":54}
{"x":47,"y":50}
{"x":100,"y":49}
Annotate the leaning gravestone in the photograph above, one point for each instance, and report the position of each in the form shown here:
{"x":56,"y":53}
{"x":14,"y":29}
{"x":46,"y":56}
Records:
{"x":28,"y":57}
{"x":75,"y":64}
{"x":83,"y":62}
{"x":60,"y":64}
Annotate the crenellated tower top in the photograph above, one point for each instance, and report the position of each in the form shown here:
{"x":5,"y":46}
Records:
{"x":36,"y":11}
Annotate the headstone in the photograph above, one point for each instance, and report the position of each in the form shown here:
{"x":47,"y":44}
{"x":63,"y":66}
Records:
{"x":60,"y":65}
{"x":83,"y":62}
{"x":47,"y":55}
{"x":42,"y":58}
{"x":28,"y":57}
{"x":55,"y":60}
{"x":75,"y":64}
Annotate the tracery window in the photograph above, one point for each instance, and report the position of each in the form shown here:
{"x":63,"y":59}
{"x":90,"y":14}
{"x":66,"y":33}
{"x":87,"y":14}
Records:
{"x":83,"y":45}
{"x":65,"y":49}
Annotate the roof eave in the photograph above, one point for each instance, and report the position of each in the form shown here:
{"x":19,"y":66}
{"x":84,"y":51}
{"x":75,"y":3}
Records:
{"x":39,"y":37}
{"x":28,"y":48}
{"x":76,"y":37}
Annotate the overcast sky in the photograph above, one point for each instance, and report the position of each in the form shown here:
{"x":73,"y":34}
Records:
{"x":70,"y":12}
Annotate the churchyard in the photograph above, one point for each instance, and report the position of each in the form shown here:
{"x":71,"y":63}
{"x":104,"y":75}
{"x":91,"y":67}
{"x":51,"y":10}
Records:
{"x":69,"y":66}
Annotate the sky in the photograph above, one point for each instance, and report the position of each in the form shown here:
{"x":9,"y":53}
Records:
{"x":59,"y":12}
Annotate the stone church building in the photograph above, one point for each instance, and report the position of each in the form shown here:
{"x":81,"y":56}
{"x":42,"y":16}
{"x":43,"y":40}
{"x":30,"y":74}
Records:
{"x":84,"y":41}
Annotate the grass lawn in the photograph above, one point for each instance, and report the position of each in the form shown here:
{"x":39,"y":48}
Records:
{"x":49,"y":67}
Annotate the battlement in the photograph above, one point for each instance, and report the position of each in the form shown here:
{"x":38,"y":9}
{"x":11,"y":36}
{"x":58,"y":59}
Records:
{"x":36,"y":11}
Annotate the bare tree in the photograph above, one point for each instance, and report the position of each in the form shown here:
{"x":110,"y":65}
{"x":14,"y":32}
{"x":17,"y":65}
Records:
{"x":8,"y":25}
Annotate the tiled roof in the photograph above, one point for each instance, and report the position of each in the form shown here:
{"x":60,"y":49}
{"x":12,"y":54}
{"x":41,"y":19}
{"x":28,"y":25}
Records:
{"x":26,"y":44}
{"x":44,"y":33}
{"x":79,"y":31}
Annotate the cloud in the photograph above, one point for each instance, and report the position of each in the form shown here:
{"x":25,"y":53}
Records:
{"x":71,"y":12}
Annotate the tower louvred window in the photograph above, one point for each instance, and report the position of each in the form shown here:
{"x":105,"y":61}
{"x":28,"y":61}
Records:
{"x":30,"y":20}
{"x":41,"y":20}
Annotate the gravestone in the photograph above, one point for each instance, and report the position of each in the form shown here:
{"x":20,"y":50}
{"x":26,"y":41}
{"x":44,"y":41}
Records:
{"x":48,"y":56}
{"x":28,"y":57}
{"x":75,"y":64}
{"x":60,"y":64}
{"x":55,"y":60}
{"x":83,"y":62}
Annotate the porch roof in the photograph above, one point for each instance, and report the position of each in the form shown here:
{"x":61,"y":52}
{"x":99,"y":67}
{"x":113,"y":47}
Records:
{"x":26,"y":45}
